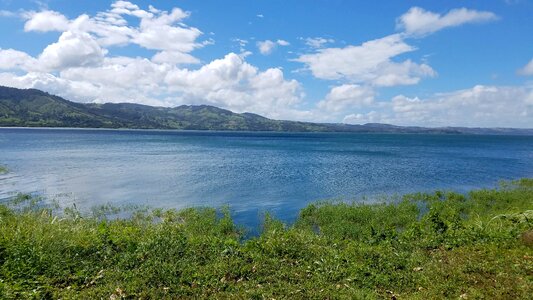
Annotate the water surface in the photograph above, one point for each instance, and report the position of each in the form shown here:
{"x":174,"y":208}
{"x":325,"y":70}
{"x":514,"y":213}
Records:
{"x":250,"y":172}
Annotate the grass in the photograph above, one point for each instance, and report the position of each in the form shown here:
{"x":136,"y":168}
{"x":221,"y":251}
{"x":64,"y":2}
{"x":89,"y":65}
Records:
{"x":425,"y":246}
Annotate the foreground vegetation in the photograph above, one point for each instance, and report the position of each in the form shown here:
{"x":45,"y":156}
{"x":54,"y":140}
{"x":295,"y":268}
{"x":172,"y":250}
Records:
{"x":423,"y":246}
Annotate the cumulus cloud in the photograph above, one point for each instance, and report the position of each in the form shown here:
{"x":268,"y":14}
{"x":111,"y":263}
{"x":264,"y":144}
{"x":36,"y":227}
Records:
{"x":72,"y":50}
{"x":418,"y":21}
{"x":478,"y":106}
{"x":373,"y":62}
{"x":370,"y":62}
{"x":229,"y":82}
{"x":527,"y":70}
{"x":483,"y":106}
{"x":317,"y":42}
{"x":173,"y":57}
{"x":232,"y":83}
{"x":138,"y":74}
{"x":7,"y":14}
{"x":75,"y":91}
{"x":160,"y":32}
{"x":78,"y":66}
{"x":157,"y":30}
{"x":347,"y":97}
{"x":266,"y":47}
{"x":45,"y":21}
{"x":364,"y":118}
{"x":11,"y":59}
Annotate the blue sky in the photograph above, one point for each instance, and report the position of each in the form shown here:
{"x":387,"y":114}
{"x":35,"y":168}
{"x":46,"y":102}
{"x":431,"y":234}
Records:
{"x":438,"y":63}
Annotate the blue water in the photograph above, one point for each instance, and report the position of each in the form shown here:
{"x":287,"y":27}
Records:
{"x":251,"y":172}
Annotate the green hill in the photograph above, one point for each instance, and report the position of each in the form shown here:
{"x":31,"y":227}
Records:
{"x":35,"y":108}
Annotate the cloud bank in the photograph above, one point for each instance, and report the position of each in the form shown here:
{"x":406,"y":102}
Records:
{"x":80,"y":66}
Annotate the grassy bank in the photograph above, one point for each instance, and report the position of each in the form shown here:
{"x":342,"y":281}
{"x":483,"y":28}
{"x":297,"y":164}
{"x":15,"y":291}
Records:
{"x":426,"y":246}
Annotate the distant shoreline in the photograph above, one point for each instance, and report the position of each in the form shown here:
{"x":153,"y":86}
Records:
{"x":520,"y":131}
{"x":31,"y":108}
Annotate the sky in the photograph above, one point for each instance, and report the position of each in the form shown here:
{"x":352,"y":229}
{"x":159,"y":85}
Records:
{"x":422,"y":63}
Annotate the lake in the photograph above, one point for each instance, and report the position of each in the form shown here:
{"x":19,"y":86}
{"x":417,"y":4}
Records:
{"x":251,"y":172}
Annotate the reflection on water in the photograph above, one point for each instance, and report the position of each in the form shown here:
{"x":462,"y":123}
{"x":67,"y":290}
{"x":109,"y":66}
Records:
{"x":251,"y":172}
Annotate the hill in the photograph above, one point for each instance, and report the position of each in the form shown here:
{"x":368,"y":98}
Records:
{"x":35,"y":108}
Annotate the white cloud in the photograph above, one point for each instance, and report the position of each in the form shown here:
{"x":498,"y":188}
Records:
{"x":527,"y":69}
{"x":373,"y":64}
{"x":241,"y":42}
{"x":232,"y":83}
{"x":99,"y":84}
{"x":139,"y":74}
{"x":72,"y":50}
{"x":368,"y":63}
{"x":218,"y":74}
{"x":317,"y":42}
{"x":174,"y":57}
{"x":266,"y":47}
{"x":7,"y":14}
{"x":128,"y":8}
{"x":108,"y":31}
{"x":260,"y":16}
{"x":242,"y":46}
{"x":157,"y":29}
{"x":75,"y":91}
{"x":44,"y":21}
{"x":79,"y":68}
{"x":161,"y":33}
{"x":229,"y":82}
{"x":483,"y":106}
{"x":418,"y":21}
{"x":404,"y":73}
{"x":347,"y":97}
{"x":363,"y":118}
{"x":11,"y":59}
{"x":478,"y":106}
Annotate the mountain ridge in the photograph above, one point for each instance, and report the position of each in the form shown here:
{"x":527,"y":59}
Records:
{"x":36,"y":108}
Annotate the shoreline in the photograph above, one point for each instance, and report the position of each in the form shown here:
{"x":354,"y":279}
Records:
{"x":428,"y":245}
{"x":522,"y":131}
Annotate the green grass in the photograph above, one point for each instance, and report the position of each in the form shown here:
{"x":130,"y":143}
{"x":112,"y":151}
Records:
{"x":424,"y":246}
